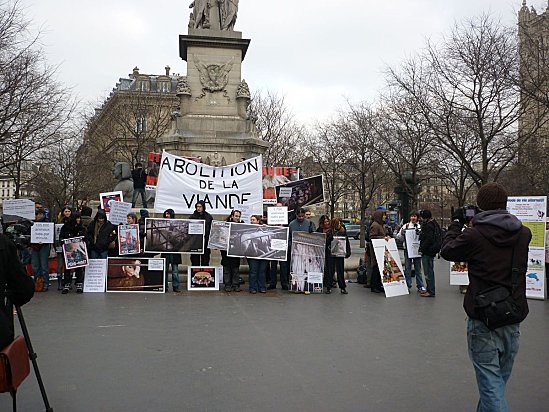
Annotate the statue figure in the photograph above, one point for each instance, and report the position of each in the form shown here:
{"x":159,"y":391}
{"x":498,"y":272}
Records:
{"x":229,"y":10}
{"x":123,"y":173}
{"x":200,"y":14}
{"x":183,"y":87}
{"x":243,"y":90}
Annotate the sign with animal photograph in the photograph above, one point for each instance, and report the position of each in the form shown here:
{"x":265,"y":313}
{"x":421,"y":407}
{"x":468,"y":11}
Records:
{"x":308,"y":258}
{"x":174,"y":236}
{"x":258,"y":241}
{"x":219,"y":235}
{"x":135,"y":274}
{"x":304,"y":192}
{"x":182,"y":183}
{"x":276,"y":176}
{"x":338,"y":247}
{"x":390,"y":267}
{"x":75,"y":253}
{"x":204,"y":277}
{"x":531,"y":211}
{"x":106,"y":198}
{"x":128,"y":240}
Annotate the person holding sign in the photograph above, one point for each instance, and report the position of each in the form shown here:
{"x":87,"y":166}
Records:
{"x":377,"y":231}
{"x":73,"y":228}
{"x":201,"y":214}
{"x":258,"y":267}
{"x":40,"y":253}
{"x":231,"y":264}
{"x":340,"y":249}
{"x":414,"y":226}
{"x":64,"y":217}
{"x":173,"y":259}
{"x":99,"y":234}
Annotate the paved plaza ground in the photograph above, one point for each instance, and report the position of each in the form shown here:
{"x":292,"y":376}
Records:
{"x":274,"y":352}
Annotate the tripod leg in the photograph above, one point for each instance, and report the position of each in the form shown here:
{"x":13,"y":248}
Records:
{"x":32,"y":357}
{"x":14,"y":400}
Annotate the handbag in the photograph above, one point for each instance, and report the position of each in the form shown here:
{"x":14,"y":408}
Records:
{"x":496,"y":306}
{"x":14,"y":365}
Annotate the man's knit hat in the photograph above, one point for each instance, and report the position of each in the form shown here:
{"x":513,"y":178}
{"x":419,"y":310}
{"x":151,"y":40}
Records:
{"x":492,"y":196}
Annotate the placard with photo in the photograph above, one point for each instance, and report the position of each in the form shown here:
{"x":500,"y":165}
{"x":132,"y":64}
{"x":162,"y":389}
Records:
{"x":258,"y":241}
{"x":139,"y":274}
{"x":128,"y":240}
{"x":174,"y":235}
{"x":204,"y":277}
{"x":304,"y":192}
{"x":75,"y":253}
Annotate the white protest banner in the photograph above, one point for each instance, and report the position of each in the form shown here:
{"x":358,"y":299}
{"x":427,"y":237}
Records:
{"x":412,"y":243}
{"x":277,"y":215}
{"x":19,"y":207}
{"x":390,"y":267}
{"x":96,"y":273}
{"x":119,"y":212}
{"x":459,"y":273}
{"x":182,"y":182}
{"x":42,"y":232}
{"x":530,"y":210}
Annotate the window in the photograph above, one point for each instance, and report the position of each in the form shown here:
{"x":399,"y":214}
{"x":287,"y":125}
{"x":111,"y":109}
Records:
{"x":141,"y":123}
{"x":164,"y":87}
{"x":144,"y":85}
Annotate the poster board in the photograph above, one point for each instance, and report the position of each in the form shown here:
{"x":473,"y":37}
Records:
{"x":390,"y":267}
{"x":128,"y":240}
{"x":204,"y":277}
{"x":304,"y":192}
{"x":42,"y":232}
{"x":276,"y":176}
{"x":219,"y":235}
{"x":338,"y":247}
{"x":459,"y":274}
{"x":412,"y":243}
{"x":531,"y":211}
{"x":277,"y":215}
{"x":106,"y":198}
{"x":118,"y":214}
{"x":75,"y":253}
{"x":95,"y":276}
{"x":24,"y":208}
{"x":138,"y":274}
{"x":257,"y":241}
{"x":58,"y":245}
{"x":308,"y":260}
{"x":174,"y":235}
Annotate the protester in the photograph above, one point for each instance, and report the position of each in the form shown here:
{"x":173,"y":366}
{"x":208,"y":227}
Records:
{"x":325,"y":226}
{"x":377,"y":231}
{"x":231,"y":264}
{"x":299,"y":224}
{"x":308,"y":216}
{"x":200,"y":213}
{"x":413,"y":224}
{"x":488,"y":247}
{"x":139,"y":177}
{"x":131,"y":219}
{"x":272,"y":269}
{"x":15,"y":285}
{"x":64,"y":217}
{"x":99,"y":234}
{"x":86,"y":216}
{"x":258,"y":267}
{"x":73,"y":228}
{"x":40,"y":253}
{"x":337,"y":263}
{"x":430,"y":239}
{"x":173,"y":259}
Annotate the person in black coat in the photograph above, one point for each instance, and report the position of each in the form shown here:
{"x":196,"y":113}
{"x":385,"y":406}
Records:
{"x":99,"y":234}
{"x":71,"y":229}
{"x":200,"y":213}
{"x":173,"y":259}
{"x":231,"y":264}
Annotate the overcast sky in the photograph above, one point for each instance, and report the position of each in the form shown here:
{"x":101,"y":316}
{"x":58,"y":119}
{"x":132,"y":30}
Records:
{"x":318,"y":53}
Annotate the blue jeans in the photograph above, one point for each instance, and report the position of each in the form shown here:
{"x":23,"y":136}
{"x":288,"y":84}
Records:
{"x":492,"y":353}
{"x":98,"y":255}
{"x":258,"y":272}
{"x":429,"y":270}
{"x":175,"y":273}
{"x":39,"y":262}
{"x":143,"y":197}
{"x":408,"y":271}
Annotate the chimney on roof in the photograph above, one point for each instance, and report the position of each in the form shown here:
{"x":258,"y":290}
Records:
{"x":135,"y":73}
{"x":167,"y":68}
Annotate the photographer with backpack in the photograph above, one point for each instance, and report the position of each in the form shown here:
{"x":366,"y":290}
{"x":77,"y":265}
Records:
{"x":430,"y":241}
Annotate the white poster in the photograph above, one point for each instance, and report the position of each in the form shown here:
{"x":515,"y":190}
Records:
{"x":459,"y":274}
{"x":182,"y":182}
{"x":42,"y":232}
{"x":412,"y":243}
{"x":390,"y":267}
{"x":119,"y":212}
{"x":19,"y":207}
{"x":95,"y":275}
{"x":277,"y":215}
{"x":531,"y":211}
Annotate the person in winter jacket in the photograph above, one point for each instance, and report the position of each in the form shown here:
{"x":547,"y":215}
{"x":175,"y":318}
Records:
{"x":173,"y":259}
{"x":139,"y":177}
{"x":73,"y":229}
{"x":100,"y":233}
{"x":488,"y":247}
{"x":429,"y":248}
{"x":200,"y":213}
{"x":64,"y":217}
{"x":86,"y":216}
{"x":40,"y":253}
{"x":231,"y":264}
{"x":377,"y":231}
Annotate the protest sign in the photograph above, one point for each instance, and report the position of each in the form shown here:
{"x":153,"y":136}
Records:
{"x":412,"y":243}
{"x":258,"y":241}
{"x":19,"y":207}
{"x":304,"y":192}
{"x":308,"y":258}
{"x":106,"y":198}
{"x":276,"y":176}
{"x":42,"y":232}
{"x":75,"y":253}
{"x":204,"y":277}
{"x":219,"y":235}
{"x":96,"y":274}
{"x":119,"y":212}
{"x":128,"y":240}
{"x":277,"y":215}
{"x":183,"y":182}
{"x":459,"y":273}
{"x":135,"y":275}
{"x":390,"y":267}
{"x":174,"y":236}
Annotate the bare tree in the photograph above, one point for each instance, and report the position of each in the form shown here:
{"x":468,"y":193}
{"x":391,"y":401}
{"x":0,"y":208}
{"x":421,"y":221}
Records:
{"x":468,"y":94}
{"x":277,"y":126}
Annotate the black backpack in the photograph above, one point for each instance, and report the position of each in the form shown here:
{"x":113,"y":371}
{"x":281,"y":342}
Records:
{"x":437,"y":238}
